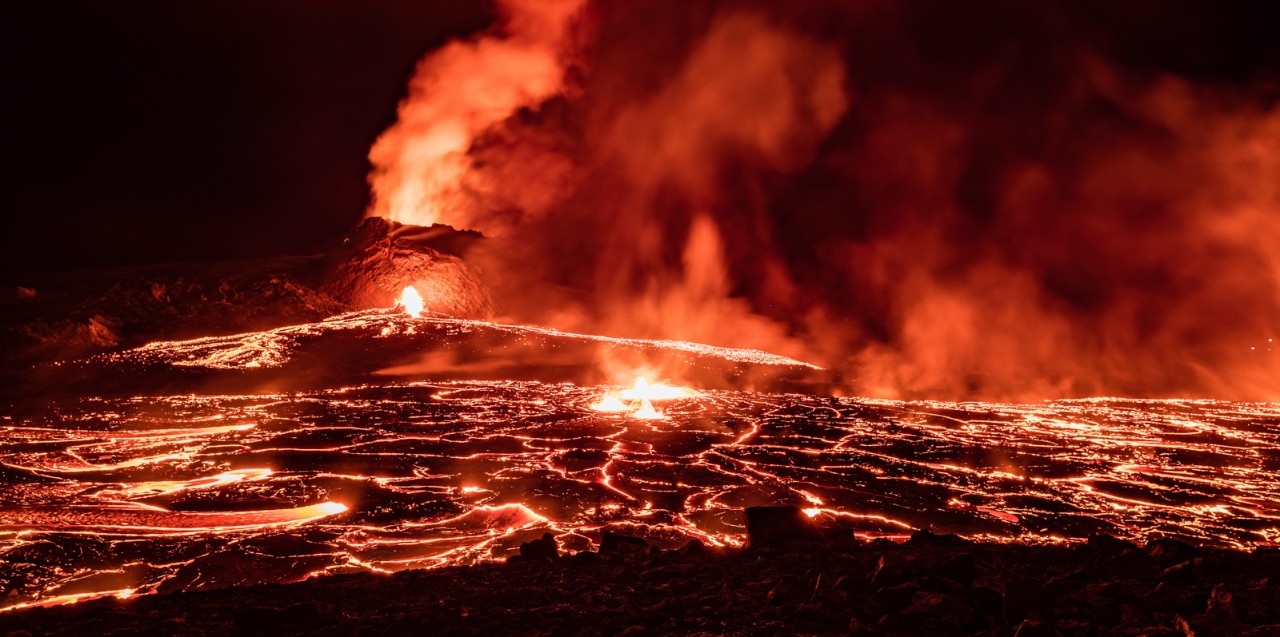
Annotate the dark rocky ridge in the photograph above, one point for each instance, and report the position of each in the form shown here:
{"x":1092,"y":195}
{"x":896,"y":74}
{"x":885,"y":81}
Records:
{"x":830,"y":584}
{"x":50,"y":317}
{"x":387,"y":345}
{"x":380,"y":257}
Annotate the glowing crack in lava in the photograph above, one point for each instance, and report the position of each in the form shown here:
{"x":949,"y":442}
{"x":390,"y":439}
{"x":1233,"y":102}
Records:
{"x":183,"y":491}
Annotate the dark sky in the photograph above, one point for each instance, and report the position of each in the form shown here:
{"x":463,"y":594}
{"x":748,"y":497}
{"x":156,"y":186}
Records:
{"x":141,"y":132}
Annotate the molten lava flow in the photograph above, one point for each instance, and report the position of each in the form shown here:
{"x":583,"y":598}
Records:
{"x":143,"y":519}
{"x":411,"y":302}
{"x":1002,"y":256}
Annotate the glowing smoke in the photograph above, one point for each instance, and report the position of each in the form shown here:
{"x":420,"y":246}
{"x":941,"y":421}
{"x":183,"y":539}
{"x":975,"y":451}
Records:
{"x":961,"y":202}
{"x":422,"y":173}
{"x":650,"y":229}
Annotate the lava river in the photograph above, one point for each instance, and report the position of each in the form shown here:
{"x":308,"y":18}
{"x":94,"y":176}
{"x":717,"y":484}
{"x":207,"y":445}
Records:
{"x":164,"y":491}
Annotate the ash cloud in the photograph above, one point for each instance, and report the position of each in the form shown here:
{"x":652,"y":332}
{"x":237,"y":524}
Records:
{"x":987,"y":200}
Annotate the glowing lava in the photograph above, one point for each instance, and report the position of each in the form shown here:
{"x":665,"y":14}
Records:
{"x":141,"y":494}
{"x":646,"y":411}
{"x":645,"y":394}
{"x":411,"y":302}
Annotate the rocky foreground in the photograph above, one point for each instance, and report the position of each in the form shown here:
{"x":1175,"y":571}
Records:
{"x":832,"y":584}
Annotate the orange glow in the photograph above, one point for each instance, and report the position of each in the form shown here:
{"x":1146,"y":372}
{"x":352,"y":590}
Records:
{"x":321,"y":510}
{"x":661,"y":272}
{"x":465,"y":152}
{"x":610,"y":404}
{"x":422,"y":173}
{"x":411,"y":302}
{"x":1147,"y":466}
{"x":642,"y":390}
{"x":646,"y":411}
{"x":1079,"y":265}
{"x":644,"y":393}
{"x":173,"y":486}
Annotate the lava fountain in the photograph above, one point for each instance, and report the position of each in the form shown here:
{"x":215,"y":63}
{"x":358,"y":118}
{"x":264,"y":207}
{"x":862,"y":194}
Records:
{"x":411,"y":302}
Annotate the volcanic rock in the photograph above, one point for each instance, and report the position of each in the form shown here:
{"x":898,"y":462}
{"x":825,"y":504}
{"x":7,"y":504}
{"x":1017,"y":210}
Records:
{"x":1109,"y":544}
{"x":932,"y":613}
{"x":1170,"y":550}
{"x":614,"y":544}
{"x":544,"y":548}
{"x":305,"y":616}
{"x":381,"y":257}
{"x":693,"y":549}
{"x":773,"y":527}
{"x":925,"y":537}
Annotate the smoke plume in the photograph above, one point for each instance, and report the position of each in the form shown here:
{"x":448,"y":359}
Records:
{"x":422,"y":171}
{"x":990,"y":201}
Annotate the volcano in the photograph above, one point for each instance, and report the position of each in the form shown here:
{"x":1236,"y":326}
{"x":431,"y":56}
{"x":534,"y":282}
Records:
{"x":381,"y":441}
{"x":586,"y":317}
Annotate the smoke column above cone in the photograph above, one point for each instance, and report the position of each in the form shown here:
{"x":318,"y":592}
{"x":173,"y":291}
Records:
{"x":421,"y":167}
{"x":992,"y":201}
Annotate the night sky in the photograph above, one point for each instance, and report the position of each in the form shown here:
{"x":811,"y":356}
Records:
{"x":142,"y":132}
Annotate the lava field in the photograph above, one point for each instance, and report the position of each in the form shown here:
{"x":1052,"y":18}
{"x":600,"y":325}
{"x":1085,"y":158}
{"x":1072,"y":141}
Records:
{"x":135,"y":491}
